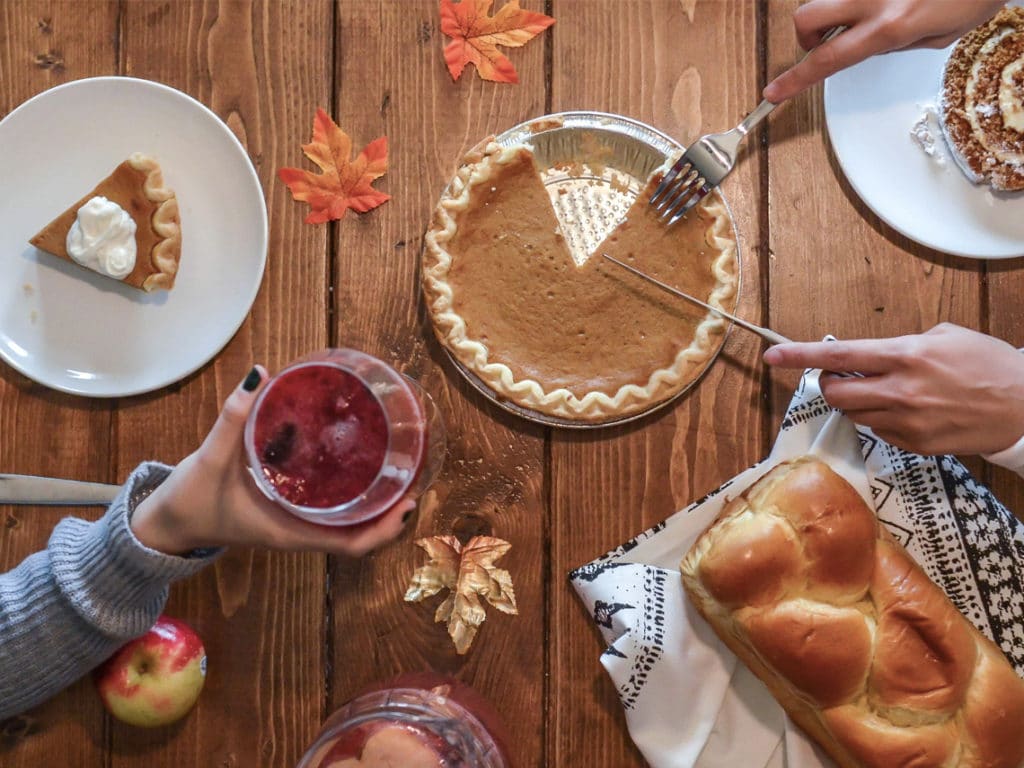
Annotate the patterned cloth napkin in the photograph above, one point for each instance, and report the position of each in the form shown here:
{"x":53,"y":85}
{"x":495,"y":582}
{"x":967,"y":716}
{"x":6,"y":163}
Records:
{"x":687,"y":700}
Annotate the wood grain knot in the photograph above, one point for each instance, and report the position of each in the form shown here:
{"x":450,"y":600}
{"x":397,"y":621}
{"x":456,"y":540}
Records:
{"x":154,"y":17}
{"x":425,"y":33}
{"x":45,"y":25}
{"x":468,"y":526}
{"x":51,"y":60}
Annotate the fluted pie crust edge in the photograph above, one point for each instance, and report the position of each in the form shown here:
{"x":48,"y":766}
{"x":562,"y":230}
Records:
{"x":166,"y":222}
{"x":450,"y":327}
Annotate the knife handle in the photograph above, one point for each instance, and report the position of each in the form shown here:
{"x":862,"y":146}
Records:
{"x":34,"y":489}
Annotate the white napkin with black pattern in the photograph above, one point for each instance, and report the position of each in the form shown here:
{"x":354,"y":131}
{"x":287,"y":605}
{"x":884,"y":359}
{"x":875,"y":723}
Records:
{"x":687,"y":700}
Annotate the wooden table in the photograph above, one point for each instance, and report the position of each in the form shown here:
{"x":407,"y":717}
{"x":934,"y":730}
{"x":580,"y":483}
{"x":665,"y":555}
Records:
{"x":291,"y":637}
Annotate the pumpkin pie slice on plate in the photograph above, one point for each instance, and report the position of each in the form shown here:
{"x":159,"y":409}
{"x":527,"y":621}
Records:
{"x":127,"y":228}
{"x":588,"y":342}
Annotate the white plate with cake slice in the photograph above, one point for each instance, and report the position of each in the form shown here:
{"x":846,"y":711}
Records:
{"x":913,"y":182}
{"x":78,"y":331}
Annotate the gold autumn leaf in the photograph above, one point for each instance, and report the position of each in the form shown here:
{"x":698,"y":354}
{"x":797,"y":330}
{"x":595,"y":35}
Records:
{"x":469,"y":572}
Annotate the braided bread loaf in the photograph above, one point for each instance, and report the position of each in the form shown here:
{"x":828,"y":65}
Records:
{"x":982,"y":101}
{"x":862,"y":650}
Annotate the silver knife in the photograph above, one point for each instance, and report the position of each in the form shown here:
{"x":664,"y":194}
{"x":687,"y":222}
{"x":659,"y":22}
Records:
{"x":33,"y":489}
{"x":765,"y":333}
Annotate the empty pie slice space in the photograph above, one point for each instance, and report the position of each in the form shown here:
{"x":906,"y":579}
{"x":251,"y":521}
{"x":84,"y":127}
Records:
{"x":132,"y":197}
{"x":584,"y":342}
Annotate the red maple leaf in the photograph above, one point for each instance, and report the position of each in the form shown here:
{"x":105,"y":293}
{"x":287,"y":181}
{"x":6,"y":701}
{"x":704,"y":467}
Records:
{"x":476,"y":36}
{"x":344,"y":183}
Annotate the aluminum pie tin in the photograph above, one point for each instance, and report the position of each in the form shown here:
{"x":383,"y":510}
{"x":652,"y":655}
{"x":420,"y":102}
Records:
{"x":594,"y":165}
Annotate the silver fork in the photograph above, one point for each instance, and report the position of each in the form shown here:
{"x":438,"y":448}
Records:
{"x":708,"y":160}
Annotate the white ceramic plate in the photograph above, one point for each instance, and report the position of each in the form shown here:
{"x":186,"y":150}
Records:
{"x":82,"y":333}
{"x":870,"y":110}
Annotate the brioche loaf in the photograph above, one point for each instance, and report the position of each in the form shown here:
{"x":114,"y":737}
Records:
{"x":863,"y":651}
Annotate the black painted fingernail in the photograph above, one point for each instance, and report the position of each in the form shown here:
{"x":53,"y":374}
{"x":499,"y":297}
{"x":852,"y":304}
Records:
{"x":407,"y":515}
{"x":252,"y":380}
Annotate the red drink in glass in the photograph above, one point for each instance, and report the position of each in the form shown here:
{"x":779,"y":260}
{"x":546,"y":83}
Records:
{"x":340,"y":437}
{"x":417,"y":721}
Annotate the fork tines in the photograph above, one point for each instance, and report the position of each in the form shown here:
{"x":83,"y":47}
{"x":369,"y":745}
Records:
{"x":680,"y":189}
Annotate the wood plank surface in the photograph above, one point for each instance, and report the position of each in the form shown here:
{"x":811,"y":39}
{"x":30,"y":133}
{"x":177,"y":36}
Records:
{"x":43,"y":44}
{"x":392,"y":81}
{"x":262,"y":68}
{"x":292,"y":637}
{"x":660,"y":62}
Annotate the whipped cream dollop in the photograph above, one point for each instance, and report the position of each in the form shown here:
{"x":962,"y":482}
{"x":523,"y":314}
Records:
{"x":103,"y":238}
{"x":925,"y":130}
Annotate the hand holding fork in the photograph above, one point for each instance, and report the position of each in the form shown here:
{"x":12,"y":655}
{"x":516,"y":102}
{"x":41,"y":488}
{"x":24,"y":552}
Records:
{"x":707,"y":161}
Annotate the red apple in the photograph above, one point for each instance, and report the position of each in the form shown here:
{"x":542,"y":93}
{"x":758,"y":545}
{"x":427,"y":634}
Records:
{"x":154,"y":679}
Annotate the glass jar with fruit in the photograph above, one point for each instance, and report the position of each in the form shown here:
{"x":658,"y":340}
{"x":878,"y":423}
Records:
{"x":419,"y":721}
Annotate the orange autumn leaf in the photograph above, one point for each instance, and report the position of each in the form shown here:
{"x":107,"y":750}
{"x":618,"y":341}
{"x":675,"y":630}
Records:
{"x":476,"y":36}
{"x":344,"y":183}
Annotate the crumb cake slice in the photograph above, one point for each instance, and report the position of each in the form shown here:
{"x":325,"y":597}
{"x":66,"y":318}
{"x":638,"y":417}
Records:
{"x":982,"y":102}
{"x":586,"y":343}
{"x":137,"y":187}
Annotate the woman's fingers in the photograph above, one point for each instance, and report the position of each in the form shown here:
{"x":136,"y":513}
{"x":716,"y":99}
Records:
{"x":812,"y":20}
{"x":873,"y":26}
{"x":844,"y":50}
{"x":867,"y":356}
{"x":935,"y":41}
{"x":353,"y":541}
{"x":377,"y":533}
{"x":873,"y":393}
{"x":224,"y":440}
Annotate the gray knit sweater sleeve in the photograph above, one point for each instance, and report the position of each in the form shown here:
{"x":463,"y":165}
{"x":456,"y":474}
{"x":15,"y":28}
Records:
{"x":66,"y":609}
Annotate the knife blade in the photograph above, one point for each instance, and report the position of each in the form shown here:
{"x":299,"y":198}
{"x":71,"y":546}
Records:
{"x":34,"y":489}
{"x":765,"y":333}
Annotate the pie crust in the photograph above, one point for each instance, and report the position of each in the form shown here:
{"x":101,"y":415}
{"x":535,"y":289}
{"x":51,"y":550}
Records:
{"x":137,"y":185}
{"x":588,"y":343}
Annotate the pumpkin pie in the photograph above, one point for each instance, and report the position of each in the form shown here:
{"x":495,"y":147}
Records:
{"x":588,"y":342}
{"x":982,"y":101}
{"x":137,"y":186}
